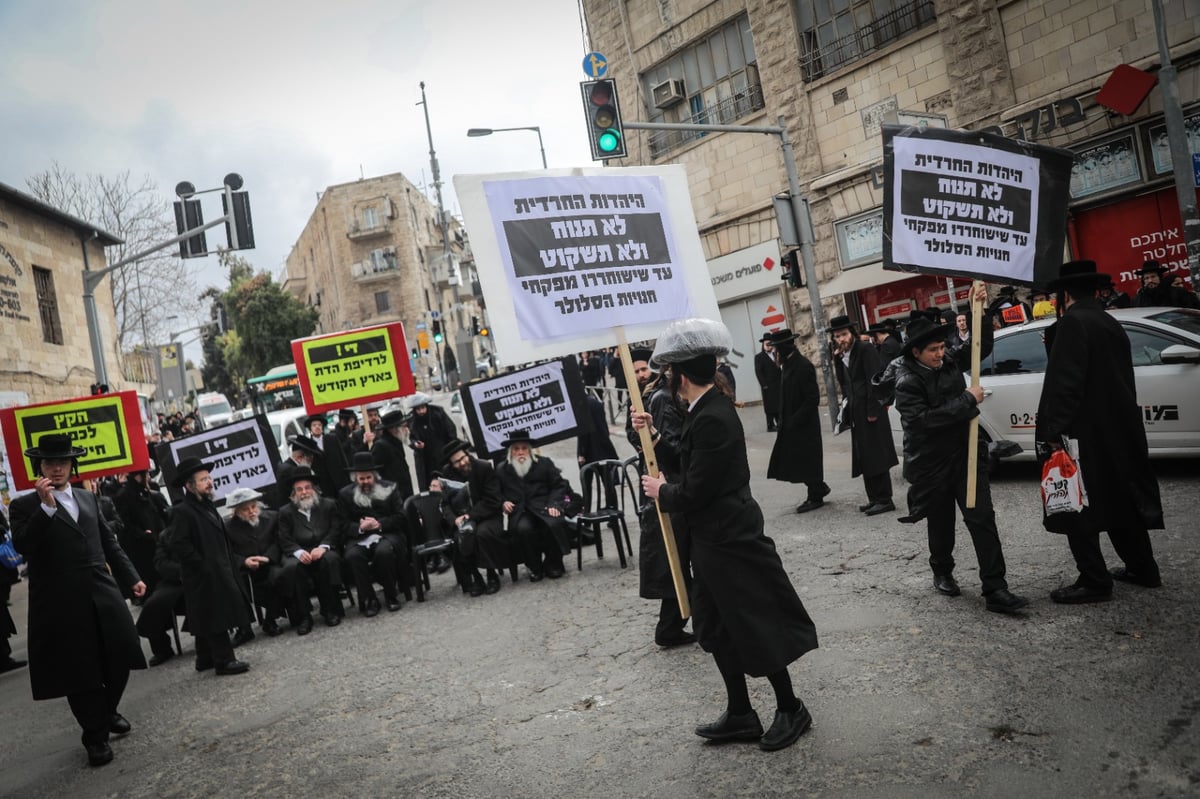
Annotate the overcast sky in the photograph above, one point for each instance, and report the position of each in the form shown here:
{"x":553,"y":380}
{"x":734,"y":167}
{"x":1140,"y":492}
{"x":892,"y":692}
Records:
{"x":294,"y":95}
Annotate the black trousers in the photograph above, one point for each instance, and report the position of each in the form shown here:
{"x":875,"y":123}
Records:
{"x":325,"y":576}
{"x":537,"y":541}
{"x":981,"y":523}
{"x":94,"y":709}
{"x":214,"y":647}
{"x":670,"y":620}
{"x":1132,"y":546}
{"x":155,"y":619}
{"x":879,"y":486}
{"x":377,"y":562}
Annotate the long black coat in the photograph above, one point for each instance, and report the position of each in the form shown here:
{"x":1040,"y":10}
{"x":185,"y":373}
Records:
{"x":798,"y":454}
{"x":388,"y":511}
{"x":435,"y":430}
{"x":211,"y":586}
{"x":872,"y":449}
{"x":544,"y":487}
{"x":742,"y":599}
{"x":320,"y":528}
{"x":143,"y":511}
{"x":596,"y":445}
{"x":330,"y":465}
{"x":766,"y":371}
{"x":388,"y":455}
{"x":654,"y":568}
{"x":1089,"y":394}
{"x":75,"y":604}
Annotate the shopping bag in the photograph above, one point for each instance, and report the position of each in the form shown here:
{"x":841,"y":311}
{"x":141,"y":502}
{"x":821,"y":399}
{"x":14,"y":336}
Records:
{"x":9,"y":557}
{"x":1062,"y":482}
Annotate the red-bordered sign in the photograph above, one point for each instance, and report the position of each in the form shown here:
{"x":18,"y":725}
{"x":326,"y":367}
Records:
{"x":353,"y":367}
{"x":108,"y":426}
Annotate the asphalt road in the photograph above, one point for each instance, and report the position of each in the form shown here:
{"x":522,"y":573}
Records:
{"x":557,"y":689}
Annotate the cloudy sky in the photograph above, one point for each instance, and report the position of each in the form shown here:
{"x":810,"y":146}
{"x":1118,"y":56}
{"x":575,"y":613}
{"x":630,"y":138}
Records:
{"x":294,"y":95}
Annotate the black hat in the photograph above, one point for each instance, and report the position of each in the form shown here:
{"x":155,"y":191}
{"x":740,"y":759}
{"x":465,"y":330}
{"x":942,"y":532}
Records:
{"x":392,"y":419}
{"x":640,"y":354}
{"x":1037,"y":292}
{"x":292,"y":476}
{"x":362,"y":462}
{"x":1076,"y":273}
{"x":454,"y":446}
{"x":55,"y":446}
{"x":316,"y":417}
{"x":1007,"y":291}
{"x":517,"y":437}
{"x":304,"y":443}
{"x":840,"y":323}
{"x":886,"y":326}
{"x":922,"y":331}
{"x":187,"y":467}
{"x":1150,"y":266}
{"x":766,"y":337}
{"x":781,"y":336}
{"x":347,"y":413}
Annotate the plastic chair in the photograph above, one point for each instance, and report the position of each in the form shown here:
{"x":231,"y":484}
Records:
{"x":631,"y":481}
{"x":599,"y":480}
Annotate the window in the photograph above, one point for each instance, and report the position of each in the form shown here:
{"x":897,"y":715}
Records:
{"x":1019,"y":353}
{"x":720,"y":85}
{"x":860,"y":238}
{"x":1146,"y":347}
{"x":43,"y":281}
{"x":370,"y":218}
{"x":382,"y":302}
{"x":834,"y":33}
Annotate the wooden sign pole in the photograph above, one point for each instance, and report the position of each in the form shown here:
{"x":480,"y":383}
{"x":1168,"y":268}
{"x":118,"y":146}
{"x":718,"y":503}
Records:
{"x":664,"y":520}
{"x":973,"y":436}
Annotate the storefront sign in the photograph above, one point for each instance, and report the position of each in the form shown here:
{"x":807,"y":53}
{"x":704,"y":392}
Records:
{"x":745,"y":272}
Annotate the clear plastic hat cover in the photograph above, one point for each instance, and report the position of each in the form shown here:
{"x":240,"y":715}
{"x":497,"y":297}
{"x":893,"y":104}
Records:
{"x":688,"y":338}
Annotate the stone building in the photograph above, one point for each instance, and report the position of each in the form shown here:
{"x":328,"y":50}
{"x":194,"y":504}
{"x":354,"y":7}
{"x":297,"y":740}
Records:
{"x":372,"y":253}
{"x":836,"y":71}
{"x":45,"y":353}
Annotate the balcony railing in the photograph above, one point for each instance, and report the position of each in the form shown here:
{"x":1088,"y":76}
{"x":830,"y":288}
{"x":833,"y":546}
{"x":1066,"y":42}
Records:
{"x":819,"y":59}
{"x":725,"y":112}
{"x":357,"y":232}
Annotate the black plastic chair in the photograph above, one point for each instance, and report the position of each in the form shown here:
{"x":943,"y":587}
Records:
{"x":631,"y":482}
{"x":600,"y":508}
{"x":429,"y":533}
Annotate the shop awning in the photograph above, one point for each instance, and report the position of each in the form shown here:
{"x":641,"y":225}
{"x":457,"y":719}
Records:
{"x":861,"y":277}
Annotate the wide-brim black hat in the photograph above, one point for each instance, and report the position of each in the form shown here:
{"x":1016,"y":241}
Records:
{"x":316,"y":417}
{"x":55,"y":446}
{"x":781,"y":336}
{"x":392,"y":419}
{"x":517,"y":437}
{"x":454,"y":446}
{"x":347,"y":413}
{"x":922,"y":331}
{"x":1149,"y":267}
{"x":640,"y":354}
{"x":886,"y":326}
{"x":1076,"y":273}
{"x":292,"y":476}
{"x":187,"y":467}
{"x":304,"y":443}
{"x":840,"y":323}
{"x":362,"y":462}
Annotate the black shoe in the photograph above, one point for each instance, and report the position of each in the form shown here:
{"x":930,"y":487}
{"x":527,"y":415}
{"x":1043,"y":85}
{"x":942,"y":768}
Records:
{"x":745,"y":727}
{"x":442,"y":565}
{"x":886,"y":506}
{"x":1123,"y":574}
{"x":493,"y":583}
{"x":11,"y":664}
{"x":535,"y":576}
{"x":787,"y":727}
{"x":393,"y":604}
{"x":946,"y":585}
{"x":554,"y":572}
{"x":203,"y":664}
{"x":98,"y":754}
{"x":370,"y":608}
{"x":233,"y":667}
{"x":119,"y":725}
{"x":809,"y":504}
{"x":1079,"y":595}
{"x":824,"y":491}
{"x":271,"y":628}
{"x":477,"y":587}
{"x":678,"y":639}
{"x":160,"y":658}
{"x":244,"y":635}
{"x":331,"y":619}
{"x":305,"y":626}
{"x":1004,"y":601}
{"x":863,"y":508}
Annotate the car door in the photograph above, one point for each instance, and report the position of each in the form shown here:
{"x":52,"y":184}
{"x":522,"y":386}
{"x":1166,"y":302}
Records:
{"x":1011,"y":378}
{"x":1166,"y":392}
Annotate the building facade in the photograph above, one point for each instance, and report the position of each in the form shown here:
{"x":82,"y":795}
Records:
{"x":372,"y":253}
{"x":836,"y":70}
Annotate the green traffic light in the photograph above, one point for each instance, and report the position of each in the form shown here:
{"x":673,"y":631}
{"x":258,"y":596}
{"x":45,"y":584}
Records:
{"x":609,"y":141}
{"x":437,"y":338}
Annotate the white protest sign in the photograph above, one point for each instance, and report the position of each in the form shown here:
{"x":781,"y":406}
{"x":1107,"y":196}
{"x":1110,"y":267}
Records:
{"x":566,"y":256}
{"x":243,"y":454}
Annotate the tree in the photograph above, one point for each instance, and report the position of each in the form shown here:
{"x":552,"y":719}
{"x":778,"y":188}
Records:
{"x":133,"y":211}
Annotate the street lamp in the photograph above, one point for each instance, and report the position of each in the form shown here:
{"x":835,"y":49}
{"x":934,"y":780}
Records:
{"x":477,"y":132}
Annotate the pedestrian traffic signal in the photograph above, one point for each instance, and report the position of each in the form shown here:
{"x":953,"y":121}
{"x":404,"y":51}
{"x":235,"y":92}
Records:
{"x":602,"y":109}
{"x":437,"y":331}
{"x":791,"y":269}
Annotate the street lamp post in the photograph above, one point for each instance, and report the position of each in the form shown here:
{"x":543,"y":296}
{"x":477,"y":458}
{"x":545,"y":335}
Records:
{"x":477,"y":132}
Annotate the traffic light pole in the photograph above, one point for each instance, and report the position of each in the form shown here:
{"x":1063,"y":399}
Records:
{"x":804,"y":230}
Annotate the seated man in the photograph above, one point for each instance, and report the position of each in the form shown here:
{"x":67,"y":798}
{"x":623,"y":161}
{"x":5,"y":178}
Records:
{"x":254,"y":537}
{"x":308,"y":534}
{"x":164,"y":602}
{"x":304,"y":450}
{"x":536,"y":498}
{"x":371,"y":518}
{"x":479,"y":502}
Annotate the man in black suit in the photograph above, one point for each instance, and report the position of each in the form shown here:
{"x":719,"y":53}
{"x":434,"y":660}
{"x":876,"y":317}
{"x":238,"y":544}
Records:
{"x":371,"y":517}
{"x":798,"y":454}
{"x":331,"y":459}
{"x":82,"y":642}
{"x":535,"y":498}
{"x":308,"y":533}
{"x":388,"y":452}
{"x":303,"y":451}
{"x":254,"y":538}
{"x":476,"y":510}
{"x":766,"y":371}
{"x":145,"y":512}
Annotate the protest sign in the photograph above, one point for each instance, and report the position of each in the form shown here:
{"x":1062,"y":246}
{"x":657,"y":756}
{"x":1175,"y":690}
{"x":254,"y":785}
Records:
{"x":973,"y":205}
{"x":565,"y":257}
{"x":353,"y":367}
{"x":548,"y":400}
{"x":243,"y":454}
{"x":108,"y":426}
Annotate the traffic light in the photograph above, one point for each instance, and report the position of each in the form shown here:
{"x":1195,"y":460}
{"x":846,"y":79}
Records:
{"x":483,"y":331}
{"x":791,"y":269}
{"x":242,"y":223}
{"x":189,"y":216}
{"x":436,"y":325}
{"x":99,"y":388}
{"x":603,"y":112}
{"x":474,"y":325}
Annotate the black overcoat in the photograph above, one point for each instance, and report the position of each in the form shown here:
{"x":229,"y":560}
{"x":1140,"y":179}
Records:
{"x":435,"y":430}
{"x":388,"y":511}
{"x":544,"y":487}
{"x":319,"y":529}
{"x":143,"y":510}
{"x":872,"y":449}
{"x":654,"y":568}
{"x":742,"y":599}
{"x":387,"y":452}
{"x":212,"y":589}
{"x":1089,"y":394}
{"x":481,"y":499}
{"x":797,"y":456}
{"x":75,"y":604}
{"x":766,"y":371}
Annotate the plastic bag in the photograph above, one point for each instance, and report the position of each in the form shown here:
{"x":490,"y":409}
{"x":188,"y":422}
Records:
{"x":1062,"y":484}
{"x":9,"y":557}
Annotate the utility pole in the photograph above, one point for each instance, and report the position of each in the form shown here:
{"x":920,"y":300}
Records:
{"x":437,"y":186}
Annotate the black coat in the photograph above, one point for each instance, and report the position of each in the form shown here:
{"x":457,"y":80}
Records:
{"x":145,"y":513}
{"x":387,"y":510}
{"x":766,"y":371}
{"x":320,"y":529}
{"x":544,"y":487}
{"x":211,"y":581}
{"x":435,"y":430}
{"x":596,"y":445}
{"x":330,"y":466}
{"x":872,"y":450}
{"x":742,"y":599}
{"x":262,"y":540}
{"x":481,"y":500}
{"x":75,"y":604}
{"x":890,"y":349}
{"x":1089,"y":394}
{"x":798,"y":455}
{"x":654,"y":568}
{"x":388,"y":454}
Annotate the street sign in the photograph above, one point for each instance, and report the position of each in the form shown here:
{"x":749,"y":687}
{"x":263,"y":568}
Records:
{"x":1196,"y":169}
{"x":595,"y":65}
{"x":435,"y":315}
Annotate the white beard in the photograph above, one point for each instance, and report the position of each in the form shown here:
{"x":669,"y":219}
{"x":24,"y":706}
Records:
{"x":306,"y":505}
{"x":378,"y":492}
{"x":522,"y":467}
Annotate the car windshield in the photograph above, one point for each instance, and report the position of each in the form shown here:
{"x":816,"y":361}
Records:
{"x":1180,"y":318}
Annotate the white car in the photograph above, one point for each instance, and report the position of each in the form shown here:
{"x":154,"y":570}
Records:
{"x":1165,"y":345}
{"x":284,"y":423}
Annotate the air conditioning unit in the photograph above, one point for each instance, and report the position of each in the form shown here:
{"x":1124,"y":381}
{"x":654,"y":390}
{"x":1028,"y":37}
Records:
{"x":356,"y":269}
{"x":668,"y":93}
